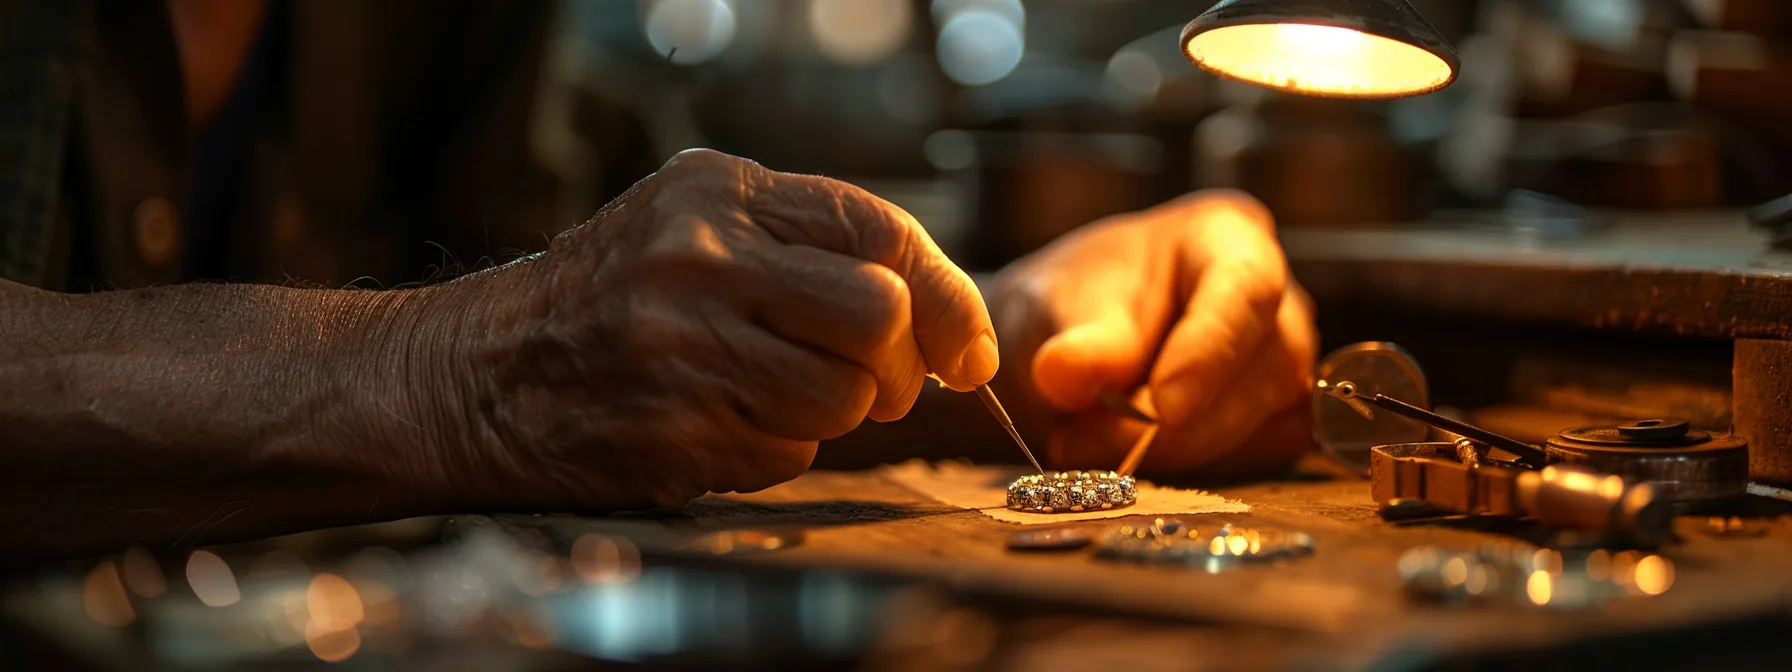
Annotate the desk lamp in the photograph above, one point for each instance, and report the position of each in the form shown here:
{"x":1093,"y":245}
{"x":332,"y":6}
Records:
{"x":1361,"y":49}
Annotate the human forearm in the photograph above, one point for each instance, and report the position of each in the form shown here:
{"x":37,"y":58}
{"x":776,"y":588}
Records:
{"x":194,"y":413}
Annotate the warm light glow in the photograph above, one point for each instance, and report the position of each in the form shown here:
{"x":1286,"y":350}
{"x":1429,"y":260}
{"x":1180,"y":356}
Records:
{"x":142,"y":574}
{"x":1624,"y":567}
{"x":1599,"y":565}
{"x":532,"y":628}
{"x":1480,"y":580}
{"x":103,"y":597}
{"x":599,"y":559}
{"x":1545,"y":560}
{"x":1654,"y":575}
{"x":332,"y":646}
{"x":212,"y":580}
{"x":1237,"y":544}
{"x":1612,"y":486}
{"x":380,"y":603}
{"x":859,"y":32}
{"x":332,"y":603}
{"x":1456,"y":572}
{"x":1319,"y":60}
{"x":1539,"y":587}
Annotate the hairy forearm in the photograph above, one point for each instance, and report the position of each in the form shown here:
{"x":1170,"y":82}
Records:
{"x":196,"y":413}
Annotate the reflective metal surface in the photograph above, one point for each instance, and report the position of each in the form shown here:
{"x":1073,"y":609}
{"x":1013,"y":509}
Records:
{"x":1049,"y":540}
{"x":1211,"y":547}
{"x":1520,"y":574}
{"x":1375,"y":368}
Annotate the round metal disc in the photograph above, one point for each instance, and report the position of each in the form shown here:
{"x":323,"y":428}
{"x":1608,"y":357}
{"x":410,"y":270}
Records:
{"x":1375,"y":368}
{"x":1696,"y":470}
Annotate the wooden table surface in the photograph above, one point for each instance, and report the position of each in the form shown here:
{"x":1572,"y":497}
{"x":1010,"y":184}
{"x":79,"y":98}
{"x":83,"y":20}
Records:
{"x":1346,"y":597}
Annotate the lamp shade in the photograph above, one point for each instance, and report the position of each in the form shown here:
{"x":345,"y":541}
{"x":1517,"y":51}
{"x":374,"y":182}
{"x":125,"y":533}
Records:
{"x":1332,"y":48}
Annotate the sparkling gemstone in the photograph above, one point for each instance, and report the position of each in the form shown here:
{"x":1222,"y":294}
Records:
{"x":1020,"y":496}
{"x":1035,"y":498}
{"x":1127,"y":493}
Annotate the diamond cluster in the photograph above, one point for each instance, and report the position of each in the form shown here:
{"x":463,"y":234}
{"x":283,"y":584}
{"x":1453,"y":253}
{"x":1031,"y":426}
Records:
{"x":1071,"y":491}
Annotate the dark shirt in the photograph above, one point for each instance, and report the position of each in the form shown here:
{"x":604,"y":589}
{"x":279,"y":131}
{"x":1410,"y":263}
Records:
{"x":393,"y":140}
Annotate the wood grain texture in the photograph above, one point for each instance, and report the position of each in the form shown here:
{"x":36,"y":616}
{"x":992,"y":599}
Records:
{"x":858,"y":521}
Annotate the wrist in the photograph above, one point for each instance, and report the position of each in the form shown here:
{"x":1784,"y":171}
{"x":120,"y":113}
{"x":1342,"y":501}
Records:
{"x":432,"y":409}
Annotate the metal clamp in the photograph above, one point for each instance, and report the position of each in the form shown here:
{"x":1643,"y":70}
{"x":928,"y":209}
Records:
{"x":1560,"y":495}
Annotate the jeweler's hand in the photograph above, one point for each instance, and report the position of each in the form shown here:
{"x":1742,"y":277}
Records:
{"x":700,"y":334}
{"x":1186,"y":309}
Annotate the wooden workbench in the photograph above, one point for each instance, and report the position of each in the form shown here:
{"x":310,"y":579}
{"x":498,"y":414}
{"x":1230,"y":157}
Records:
{"x":1341,"y":606}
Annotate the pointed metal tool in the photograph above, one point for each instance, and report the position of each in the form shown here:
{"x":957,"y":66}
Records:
{"x":995,"y":408}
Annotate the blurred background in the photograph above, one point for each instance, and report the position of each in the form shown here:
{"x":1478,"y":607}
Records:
{"x":1001,"y":124}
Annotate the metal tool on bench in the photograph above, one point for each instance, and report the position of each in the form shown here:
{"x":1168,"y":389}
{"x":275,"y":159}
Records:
{"x":1561,"y":495}
{"x":1360,"y":402}
{"x":1626,"y":479}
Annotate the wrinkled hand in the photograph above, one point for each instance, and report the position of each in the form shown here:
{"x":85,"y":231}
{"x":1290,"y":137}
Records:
{"x":701,"y":334}
{"x":1188,"y":310}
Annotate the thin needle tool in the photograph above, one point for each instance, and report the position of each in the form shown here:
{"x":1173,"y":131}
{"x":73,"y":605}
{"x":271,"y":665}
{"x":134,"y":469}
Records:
{"x":995,"y":408}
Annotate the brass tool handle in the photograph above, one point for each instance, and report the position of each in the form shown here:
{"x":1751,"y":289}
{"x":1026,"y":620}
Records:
{"x":1137,"y":454}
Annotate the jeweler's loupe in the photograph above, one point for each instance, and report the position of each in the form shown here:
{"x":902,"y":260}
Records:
{"x":1375,"y":368}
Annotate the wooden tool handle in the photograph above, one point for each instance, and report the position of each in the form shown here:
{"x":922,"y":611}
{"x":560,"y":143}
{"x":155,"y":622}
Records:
{"x":1137,"y":454}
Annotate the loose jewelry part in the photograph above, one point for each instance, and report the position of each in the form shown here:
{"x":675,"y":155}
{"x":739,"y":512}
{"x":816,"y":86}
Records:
{"x":1071,"y":491}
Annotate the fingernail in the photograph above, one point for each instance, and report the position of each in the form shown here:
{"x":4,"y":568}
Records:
{"x":980,"y":360}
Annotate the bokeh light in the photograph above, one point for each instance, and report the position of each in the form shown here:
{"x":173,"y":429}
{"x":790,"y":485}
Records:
{"x":689,"y":31}
{"x":142,"y":574}
{"x":596,"y":558}
{"x":1539,"y":587}
{"x":211,"y":579}
{"x":333,"y":604}
{"x":1654,"y":575}
{"x":978,"y":47}
{"x":860,"y":32}
{"x":104,"y":599}
{"x":1132,"y":79}
{"x":332,"y":646}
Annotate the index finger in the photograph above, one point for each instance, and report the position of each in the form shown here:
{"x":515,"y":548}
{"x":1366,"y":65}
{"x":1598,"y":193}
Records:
{"x":951,"y":322}
{"x":1238,"y":288}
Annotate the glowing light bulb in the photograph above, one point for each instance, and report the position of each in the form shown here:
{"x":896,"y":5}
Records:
{"x":1318,"y":40}
{"x":1318,"y":60}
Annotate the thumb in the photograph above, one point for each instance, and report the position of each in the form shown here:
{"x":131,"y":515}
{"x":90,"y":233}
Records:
{"x":1108,"y":352}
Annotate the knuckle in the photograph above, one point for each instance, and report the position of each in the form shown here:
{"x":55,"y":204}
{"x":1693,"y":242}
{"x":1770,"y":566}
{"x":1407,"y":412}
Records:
{"x":701,"y":159}
{"x":1258,"y":283}
{"x":687,"y":240}
{"x":842,"y":403}
{"x":1231,"y":203}
{"x":885,"y":296}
